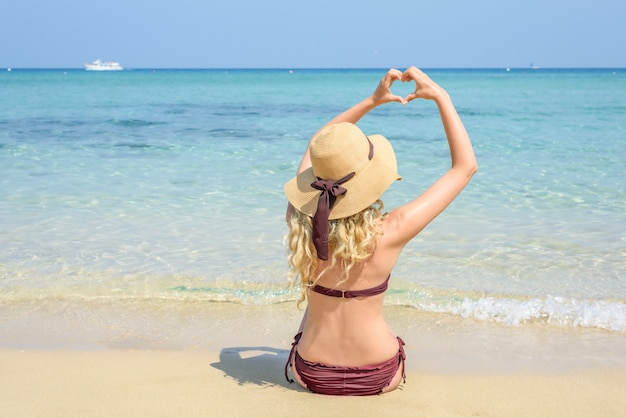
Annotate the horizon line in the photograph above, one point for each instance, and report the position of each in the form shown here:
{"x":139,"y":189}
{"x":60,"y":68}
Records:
{"x":9,"y":68}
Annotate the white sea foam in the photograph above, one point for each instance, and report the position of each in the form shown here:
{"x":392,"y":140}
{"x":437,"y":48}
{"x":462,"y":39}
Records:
{"x":552,"y":310}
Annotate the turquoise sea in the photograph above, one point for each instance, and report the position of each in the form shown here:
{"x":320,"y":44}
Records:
{"x":167,"y":185}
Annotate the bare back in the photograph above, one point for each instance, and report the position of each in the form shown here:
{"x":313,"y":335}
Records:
{"x":351,"y":332}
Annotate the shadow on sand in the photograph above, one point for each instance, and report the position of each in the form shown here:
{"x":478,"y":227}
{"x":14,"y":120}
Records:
{"x":263,"y":366}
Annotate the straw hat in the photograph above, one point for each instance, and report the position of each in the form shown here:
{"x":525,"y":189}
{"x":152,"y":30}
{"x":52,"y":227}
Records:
{"x":337,"y":151}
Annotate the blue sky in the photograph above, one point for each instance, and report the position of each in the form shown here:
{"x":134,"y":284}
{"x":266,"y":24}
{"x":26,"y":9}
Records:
{"x":314,"y":34}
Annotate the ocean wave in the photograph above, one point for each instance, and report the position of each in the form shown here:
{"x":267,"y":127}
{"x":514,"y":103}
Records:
{"x":134,"y":123}
{"x":256,"y":295}
{"x":551,"y":310}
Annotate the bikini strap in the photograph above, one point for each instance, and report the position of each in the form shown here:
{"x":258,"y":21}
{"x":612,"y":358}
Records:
{"x":402,"y":357}
{"x":296,"y":339}
{"x":347,"y":294}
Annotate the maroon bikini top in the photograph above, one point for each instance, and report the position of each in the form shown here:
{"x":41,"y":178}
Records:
{"x":352,"y":293}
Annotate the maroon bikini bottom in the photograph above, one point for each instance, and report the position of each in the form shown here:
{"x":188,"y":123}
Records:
{"x":352,"y":381}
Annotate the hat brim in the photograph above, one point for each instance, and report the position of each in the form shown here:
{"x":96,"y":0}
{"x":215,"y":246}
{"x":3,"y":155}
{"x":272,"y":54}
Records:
{"x":362,"y":190}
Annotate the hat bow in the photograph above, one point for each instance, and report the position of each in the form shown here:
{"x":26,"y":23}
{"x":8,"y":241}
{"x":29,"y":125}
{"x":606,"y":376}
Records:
{"x":331,"y":189}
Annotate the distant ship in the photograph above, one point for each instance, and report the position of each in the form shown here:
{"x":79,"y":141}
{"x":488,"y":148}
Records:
{"x":98,"y":65}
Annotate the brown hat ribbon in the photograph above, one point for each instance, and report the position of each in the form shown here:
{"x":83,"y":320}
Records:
{"x":330,"y":191}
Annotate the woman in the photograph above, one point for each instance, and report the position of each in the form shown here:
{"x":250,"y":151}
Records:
{"x":343,"y":248}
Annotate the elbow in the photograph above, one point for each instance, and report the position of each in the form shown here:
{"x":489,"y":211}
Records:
{"x":469,"y":168}
{"x":473,"y":169}
{"x":472,"y":166}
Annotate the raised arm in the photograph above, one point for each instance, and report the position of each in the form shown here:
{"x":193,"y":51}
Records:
{"x":381,"y":95}
{"x":407,"y":221}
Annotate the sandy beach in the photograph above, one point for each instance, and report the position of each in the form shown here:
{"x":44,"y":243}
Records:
{"x":191,"y":383}
{"x":227,"y":360}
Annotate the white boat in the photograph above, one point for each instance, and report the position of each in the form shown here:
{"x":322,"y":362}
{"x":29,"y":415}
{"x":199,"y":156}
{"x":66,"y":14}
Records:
{"x":98,"y":65}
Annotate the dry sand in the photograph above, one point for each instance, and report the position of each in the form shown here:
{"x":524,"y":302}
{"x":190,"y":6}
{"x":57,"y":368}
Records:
{"x":181,"y":383}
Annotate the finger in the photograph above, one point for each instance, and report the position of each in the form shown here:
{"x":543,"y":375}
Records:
{"x":410,"y":73}
{"x":395,"y":98}
{"x":392,"y":75}
{"x":411,"y":96}
{"x":397,"y":74}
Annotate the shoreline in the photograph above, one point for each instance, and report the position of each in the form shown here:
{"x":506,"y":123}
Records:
{"x":225,"y":359}
{"x":435,"y":343}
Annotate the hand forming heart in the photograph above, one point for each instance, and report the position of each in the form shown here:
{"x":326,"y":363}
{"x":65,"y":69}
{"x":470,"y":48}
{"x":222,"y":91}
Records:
{"x":425,"y":88}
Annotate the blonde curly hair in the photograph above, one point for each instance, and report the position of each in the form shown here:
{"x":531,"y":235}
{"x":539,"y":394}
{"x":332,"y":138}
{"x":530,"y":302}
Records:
{"x":350,"y":240}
